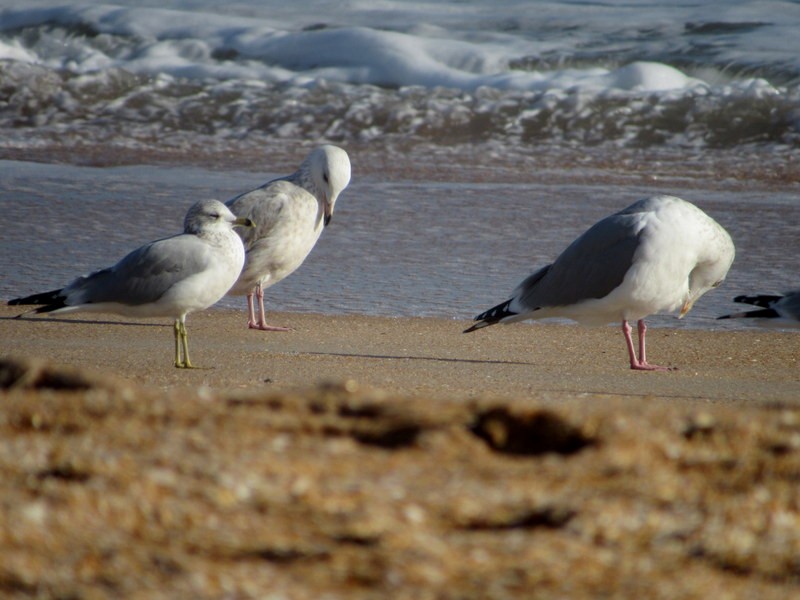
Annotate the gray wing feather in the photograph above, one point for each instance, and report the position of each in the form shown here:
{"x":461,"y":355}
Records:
{"x":144,"y":275}
{"x":263,"y":206}
{"x":591,"y":267}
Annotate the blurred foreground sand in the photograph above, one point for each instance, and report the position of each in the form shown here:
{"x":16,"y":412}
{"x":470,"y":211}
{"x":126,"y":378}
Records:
{"x":395,"y":458}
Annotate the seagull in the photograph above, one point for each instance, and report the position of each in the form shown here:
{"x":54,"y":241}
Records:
{"x":170,"y":277}
{"x":658,"y":255}
{"x":780,"y":310}
{"x":289,"y":214}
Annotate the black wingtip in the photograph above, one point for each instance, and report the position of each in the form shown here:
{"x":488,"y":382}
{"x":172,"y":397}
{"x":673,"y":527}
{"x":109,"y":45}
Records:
{"x":479,"y":325}
{"x":51,"y":297}
{"x":765,"y":313}
{"x":47,"y":302}
{"x":762,"y":300}
{"x":492,"y":316}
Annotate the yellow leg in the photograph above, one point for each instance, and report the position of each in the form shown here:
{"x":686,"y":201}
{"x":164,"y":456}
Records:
{"x":177,"y":328}
{"x":187,"y":364}
{"x":182,"y":345}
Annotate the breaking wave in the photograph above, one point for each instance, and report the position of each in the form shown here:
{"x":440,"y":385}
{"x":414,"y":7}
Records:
{"x":100,"y":73}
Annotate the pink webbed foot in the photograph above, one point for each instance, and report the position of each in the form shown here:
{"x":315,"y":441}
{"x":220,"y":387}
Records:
{"x":265,"y":327}
{"x":643,"y":366}
{"x":640,"y":363}
{"x":261,"y":323}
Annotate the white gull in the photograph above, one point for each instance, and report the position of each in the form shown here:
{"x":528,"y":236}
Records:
{"x":658,"y":255}
{"x":289,"y":215}
{"x":171,"y":277}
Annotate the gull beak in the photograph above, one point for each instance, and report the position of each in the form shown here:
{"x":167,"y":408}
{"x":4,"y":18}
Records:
{"x":328,"y":211}
{"x":243,"y":222}
{"x":687,"y":306}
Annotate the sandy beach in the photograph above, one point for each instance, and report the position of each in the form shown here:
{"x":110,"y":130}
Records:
{"x":383,"y":457}
{"x":366,"y":457}
{"x":417,"y":357}
{"x":375,"y":452}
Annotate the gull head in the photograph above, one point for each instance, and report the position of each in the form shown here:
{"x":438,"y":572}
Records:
{"x":207,"y":215}
{"x":713,"y":265}
{"x":328,"y":167}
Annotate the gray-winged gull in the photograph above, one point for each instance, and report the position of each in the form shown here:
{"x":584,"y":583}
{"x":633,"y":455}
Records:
{"x":170,"y":277}
{"x":289,"y":214}
{"x":776,"y":310}
{"x":658,"y":255}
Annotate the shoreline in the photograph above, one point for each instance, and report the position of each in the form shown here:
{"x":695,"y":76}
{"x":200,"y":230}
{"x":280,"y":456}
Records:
{"x":418,"y":356}
{"x":413,"y":160}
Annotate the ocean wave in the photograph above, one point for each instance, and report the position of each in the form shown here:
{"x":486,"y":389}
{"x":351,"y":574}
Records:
{"x":116,"y":102}
{"x":159,"y":42}
{"x":128,"y":74}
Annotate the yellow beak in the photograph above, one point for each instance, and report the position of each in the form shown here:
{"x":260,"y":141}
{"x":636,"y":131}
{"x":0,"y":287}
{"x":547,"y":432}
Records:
{"x":687,"y":306}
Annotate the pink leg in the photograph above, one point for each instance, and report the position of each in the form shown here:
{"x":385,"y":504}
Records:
{"x":639,"y":364}
{"x":642,"y":329}
{"x":251,"y":312}
{"x":262,"y":321}
{"x":626,"y":331}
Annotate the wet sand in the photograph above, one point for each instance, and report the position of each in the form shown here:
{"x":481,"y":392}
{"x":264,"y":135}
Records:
{"x":364,"y":457}
{"x":417,"y":356}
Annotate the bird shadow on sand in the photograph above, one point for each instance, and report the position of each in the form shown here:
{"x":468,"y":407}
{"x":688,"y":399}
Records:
{"x":33,"y":319}
{"x":478,"y":361}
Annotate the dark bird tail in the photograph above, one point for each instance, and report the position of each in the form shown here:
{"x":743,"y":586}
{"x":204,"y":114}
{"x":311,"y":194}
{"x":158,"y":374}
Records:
{"x":762,"y":300}
{"x":48,"y":301}
{"x":492,"y":316}
{"x":765,"y":301}
{"x":764,"y":313}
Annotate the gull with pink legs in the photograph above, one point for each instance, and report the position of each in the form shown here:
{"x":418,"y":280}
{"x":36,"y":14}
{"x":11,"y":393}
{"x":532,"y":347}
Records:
{"x":289,"y":214}
{"x":659,"y":255}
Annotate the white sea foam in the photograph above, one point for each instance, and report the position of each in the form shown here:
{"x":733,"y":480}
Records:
{"x":705,"y":73}
{"x":14,"y":51}
{"x":202,"y":45}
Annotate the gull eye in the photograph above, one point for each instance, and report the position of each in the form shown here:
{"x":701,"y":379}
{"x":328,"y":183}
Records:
{"x":325,"y":177}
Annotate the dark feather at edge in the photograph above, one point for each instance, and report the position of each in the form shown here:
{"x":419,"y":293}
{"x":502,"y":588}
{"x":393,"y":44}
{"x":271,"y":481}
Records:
{"x":766,"y":313}
{"x":492,"y":316}
{"x":48,"y":301}
{"x":763,"y":300}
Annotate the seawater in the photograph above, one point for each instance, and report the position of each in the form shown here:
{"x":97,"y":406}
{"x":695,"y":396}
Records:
{"x":512,"y":73}
{"x":482,"y":85}
{"x":398,"y":248}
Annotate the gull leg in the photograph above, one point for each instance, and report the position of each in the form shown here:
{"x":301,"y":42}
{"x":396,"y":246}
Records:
{"x":251,"y":311}
{"x":177,"y":329}
{"x":182,"y":343}
{"x":185,"y":339}
{"x":642,"y":329}
{"x":262,"y":322}
{"x":639,"y":364}
{"x":626,"y":331}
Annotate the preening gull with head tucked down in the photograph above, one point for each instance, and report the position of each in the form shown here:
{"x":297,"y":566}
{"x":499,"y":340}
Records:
{"x":658,"y":255}
{"x":289,"y":214}
{"x":777,"y":310}
{"x":171,"y":277}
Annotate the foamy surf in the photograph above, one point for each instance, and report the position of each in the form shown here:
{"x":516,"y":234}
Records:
{"x":717,"y":75}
